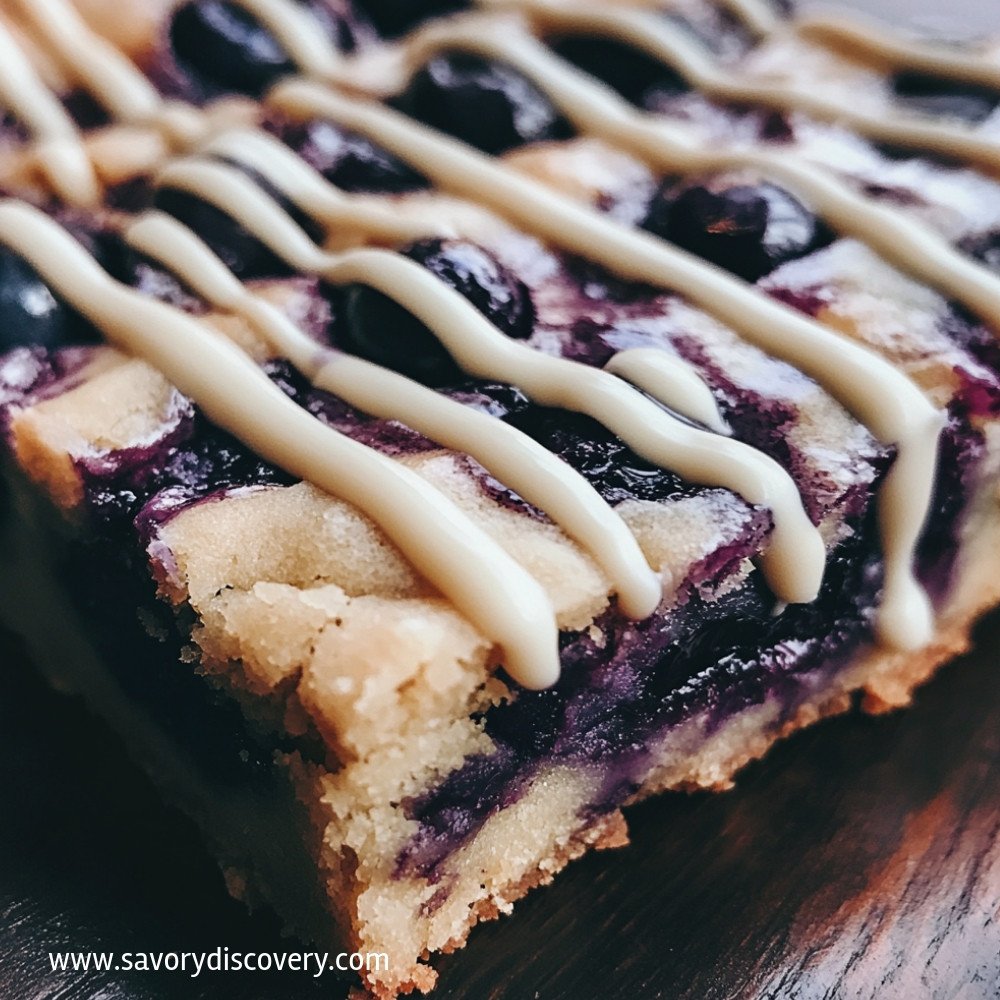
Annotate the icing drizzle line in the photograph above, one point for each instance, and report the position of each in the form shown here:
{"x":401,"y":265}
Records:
{"x":58,"y":149}
{"x":867,"y":36}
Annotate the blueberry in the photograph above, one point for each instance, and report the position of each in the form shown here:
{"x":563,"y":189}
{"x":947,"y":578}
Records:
{"x":381,"y":330}
{"x":748,"y":229}
{"x":133,"y":196}
{"x":393,"y":18}
{"x":984,"y":247}
{"x":776,"y":126}
{"x":488,"y":105}
{"x":500,"y":296}
{"x":31,"y":314}
{"x":226,"y":48}
{"x":12,"y":129}
{"x":241,"y":251}
{"x":615,"y":471}
{"x":350,"y":161}
{"x":639,"y":78}
{"x":238,"y":249}
{"x":942,"y":98}
{"x":85,"y":109}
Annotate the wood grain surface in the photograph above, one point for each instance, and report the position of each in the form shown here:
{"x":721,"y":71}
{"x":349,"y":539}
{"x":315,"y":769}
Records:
{"x":861,"y":859}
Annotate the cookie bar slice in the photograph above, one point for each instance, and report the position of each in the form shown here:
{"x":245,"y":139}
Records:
{"x":369,"y":759}
{"x":343,"y":735}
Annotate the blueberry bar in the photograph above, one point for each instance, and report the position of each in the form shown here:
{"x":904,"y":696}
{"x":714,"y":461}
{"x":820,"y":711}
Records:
{"x":436,"y":427}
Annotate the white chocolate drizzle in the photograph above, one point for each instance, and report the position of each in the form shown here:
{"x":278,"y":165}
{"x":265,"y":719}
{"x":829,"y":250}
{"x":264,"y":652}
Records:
{"x":593,"y":108}
{"x":536,"y":474}
{"x":299,"y":34}
{"x":670,"y":380}
{"x":482,"y":581}
{"x":794,"y":560}
{"x":662,"y":40}
{"x":869,"y":39}
{"x":871,"y":388}
{"x":58,"y":150}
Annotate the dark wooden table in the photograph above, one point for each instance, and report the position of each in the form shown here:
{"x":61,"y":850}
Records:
{"x":861,"y":859}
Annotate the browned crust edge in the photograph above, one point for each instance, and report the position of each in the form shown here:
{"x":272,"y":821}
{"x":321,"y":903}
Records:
{"x":886,"y":681}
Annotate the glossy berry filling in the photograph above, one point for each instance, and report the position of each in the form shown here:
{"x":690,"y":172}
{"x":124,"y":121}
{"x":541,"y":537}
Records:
{"x":940,"y":98}
{"x":488,"y":105}
{"x":748,"y":229}
{"x":379,"y":329}
{"x":635,"y":75}
{"x":348,"y":160}
{"x":393,"y":18}
{"x":222,"y":48}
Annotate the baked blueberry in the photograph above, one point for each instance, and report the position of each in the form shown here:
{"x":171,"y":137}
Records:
{"x":12,"y":129}
{"x":226,"y":48}
{"x":85,"y":109}
{"x":350,"y":161}
{"x":134,"y":195}
{"x":497,"y":293}
{"x":941,"y":98}
{"x":638,"y":77}
{"x":245,"y":255}
{"x":488,"y":105}
{"x":383,"y":331}
{"x":31,"y":314}
{"x":393,"y":18}
{"x":238,"y":249}
{"x":984,"y":247}
{"x":748,"y":229}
